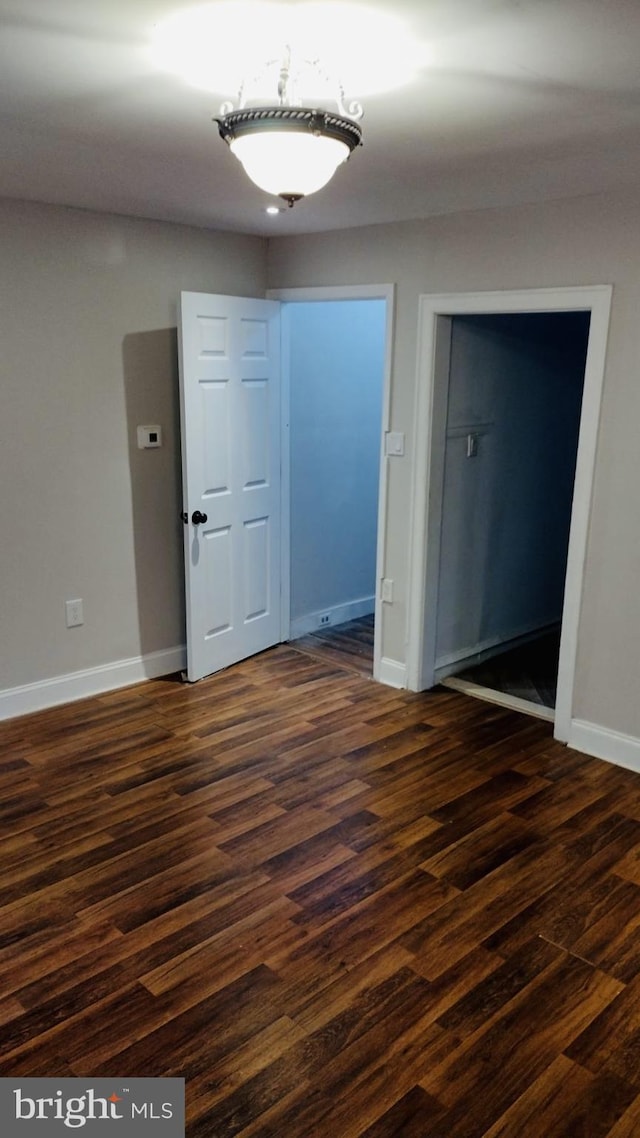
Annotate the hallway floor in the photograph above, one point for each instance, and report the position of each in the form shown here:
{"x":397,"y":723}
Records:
{"x":529,"y":672}
{"x":349,"y":645}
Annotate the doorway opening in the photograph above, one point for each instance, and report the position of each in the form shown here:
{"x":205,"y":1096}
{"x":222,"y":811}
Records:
{"x":335,"y":363}
{"x":442,"y":466}
{"x":236,"y":448}
{"x":336,"y":378}
{"x":513,"y":419}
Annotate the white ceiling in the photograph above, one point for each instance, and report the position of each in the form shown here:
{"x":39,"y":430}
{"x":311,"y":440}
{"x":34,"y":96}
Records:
{"x":522,"y":100}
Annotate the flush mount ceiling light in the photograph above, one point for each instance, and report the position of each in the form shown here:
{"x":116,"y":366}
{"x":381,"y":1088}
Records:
{"x":288,"y":149}
{"x":291,"y":112}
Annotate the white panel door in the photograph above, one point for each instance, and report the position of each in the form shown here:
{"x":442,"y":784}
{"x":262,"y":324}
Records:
{"x":230,"y":416}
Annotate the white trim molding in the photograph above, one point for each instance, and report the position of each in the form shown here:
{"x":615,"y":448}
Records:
{"x":391,"y":672}
{"x":333,"y":292}
{"x":603,"y":743}
{"x":91,"y":681}
{"x":502,"y":699}
{"x":338,"y":614}
{"x":490,"y":648}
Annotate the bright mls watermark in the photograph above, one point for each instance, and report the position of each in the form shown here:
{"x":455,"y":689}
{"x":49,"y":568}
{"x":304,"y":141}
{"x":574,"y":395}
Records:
{"x":113,"y":1108}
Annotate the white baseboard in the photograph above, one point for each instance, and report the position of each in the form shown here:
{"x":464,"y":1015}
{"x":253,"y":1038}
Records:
{"x":450,"y":662}
{"x":392,"y":673}
{"x":338,"y":614}
{"x":602,"y":743}
{"x":502,"y":699}
{"x":91,"y":681}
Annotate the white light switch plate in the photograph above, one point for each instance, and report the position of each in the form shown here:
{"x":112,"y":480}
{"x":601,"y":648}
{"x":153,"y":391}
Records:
{"x":394,"y":443}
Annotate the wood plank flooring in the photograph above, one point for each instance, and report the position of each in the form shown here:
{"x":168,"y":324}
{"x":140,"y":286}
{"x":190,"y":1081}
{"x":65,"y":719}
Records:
{"x":336,"y":909}
{"x":349,"y":645}
{"x":528,"y":672}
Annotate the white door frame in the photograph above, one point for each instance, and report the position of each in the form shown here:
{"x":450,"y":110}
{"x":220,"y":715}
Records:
{"x":434,"y":333}
{"x":384,"y":292}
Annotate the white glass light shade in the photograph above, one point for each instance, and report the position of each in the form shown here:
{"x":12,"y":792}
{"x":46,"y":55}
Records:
{"x":289,"y":162}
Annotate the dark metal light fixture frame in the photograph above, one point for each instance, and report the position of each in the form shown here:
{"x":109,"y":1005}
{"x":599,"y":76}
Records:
{"x":289,"y":117}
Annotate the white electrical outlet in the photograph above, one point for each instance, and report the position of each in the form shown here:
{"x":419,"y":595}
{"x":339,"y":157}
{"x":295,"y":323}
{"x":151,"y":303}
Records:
{"x":74,"y":614}
{"x":149,"y":437}
{"x":324,"y":619}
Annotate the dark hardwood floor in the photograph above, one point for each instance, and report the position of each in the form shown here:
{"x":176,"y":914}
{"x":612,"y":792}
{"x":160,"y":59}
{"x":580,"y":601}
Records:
{"x":528,"y":672}
{"x":335,"y":908}
{"x":349,"y":645}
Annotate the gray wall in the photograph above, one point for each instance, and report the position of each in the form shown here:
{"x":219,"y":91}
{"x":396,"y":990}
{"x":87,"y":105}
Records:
{"x":77,"y":285}
{"x":89,"y":351}
{"x":583,"y":241}
{"x":336,"y":360}
{"x":517,"y":381}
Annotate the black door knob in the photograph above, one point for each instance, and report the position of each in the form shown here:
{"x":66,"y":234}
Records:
{"x":197,"y":518}
{"x":185,"y":517}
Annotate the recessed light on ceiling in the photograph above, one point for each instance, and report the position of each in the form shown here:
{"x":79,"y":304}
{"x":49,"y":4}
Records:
{"x":272,"y":210}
